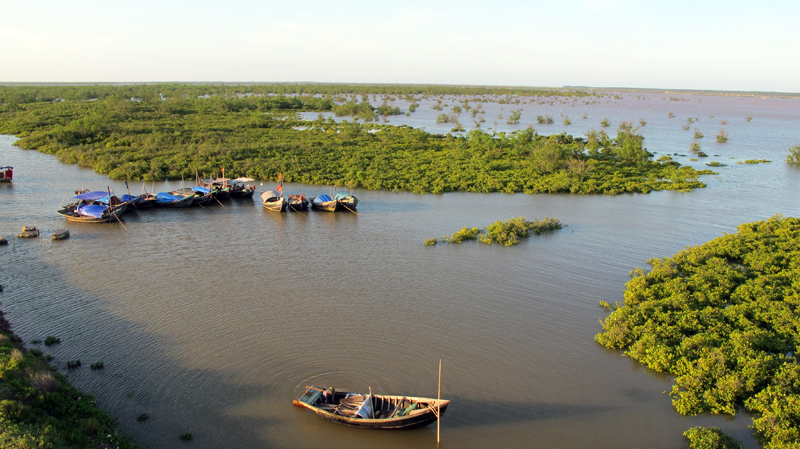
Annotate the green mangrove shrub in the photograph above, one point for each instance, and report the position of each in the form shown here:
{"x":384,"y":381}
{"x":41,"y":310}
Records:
{"x":721,"y":318}
{"x":794,"y":155}
{"x":507,"y":232}
{"x":710,"y":438}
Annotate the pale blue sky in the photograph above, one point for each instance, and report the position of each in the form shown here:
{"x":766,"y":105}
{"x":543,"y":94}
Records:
{"x":677,"y":44}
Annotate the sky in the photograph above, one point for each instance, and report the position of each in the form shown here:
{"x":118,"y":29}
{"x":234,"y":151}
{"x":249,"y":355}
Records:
{"x":709,"y":45}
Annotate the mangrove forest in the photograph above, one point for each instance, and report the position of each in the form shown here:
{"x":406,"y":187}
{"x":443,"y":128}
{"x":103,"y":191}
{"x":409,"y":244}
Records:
{"x":153,"y":133}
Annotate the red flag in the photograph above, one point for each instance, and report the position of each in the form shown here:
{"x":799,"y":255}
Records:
{"x":280,"y":183}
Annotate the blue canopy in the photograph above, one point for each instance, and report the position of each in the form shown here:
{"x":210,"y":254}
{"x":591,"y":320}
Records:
{"x":127,"y":197}
{"x":166,"y":197}
{"x":92,"y":195}
{"x":201,"y":189}
{"x":92,"y":210}
{"x":322,"y":199}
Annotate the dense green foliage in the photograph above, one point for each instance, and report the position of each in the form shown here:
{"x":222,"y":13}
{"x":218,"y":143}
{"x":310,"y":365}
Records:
{"x":724,"y":319}
{"x":260,"y":136}
{"x":39,"y":409}
{"x":507,"y":232}
{"x":710,"y":438}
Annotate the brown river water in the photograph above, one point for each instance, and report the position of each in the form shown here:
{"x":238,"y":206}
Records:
{"x":212,"y":320}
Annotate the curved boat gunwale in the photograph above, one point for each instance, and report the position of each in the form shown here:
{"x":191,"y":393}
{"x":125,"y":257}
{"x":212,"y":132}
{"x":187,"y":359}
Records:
{"x":422,"y":418}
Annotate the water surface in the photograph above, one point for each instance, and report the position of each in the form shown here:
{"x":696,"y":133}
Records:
{"x":212,"y":320}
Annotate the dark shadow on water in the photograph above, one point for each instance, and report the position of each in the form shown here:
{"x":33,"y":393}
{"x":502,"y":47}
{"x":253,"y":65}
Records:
{"x":465,"y":412}
{"x":139,"y":377}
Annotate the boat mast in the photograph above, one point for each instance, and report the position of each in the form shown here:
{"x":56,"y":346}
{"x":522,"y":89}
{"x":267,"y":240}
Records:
{"x":438,"y":404}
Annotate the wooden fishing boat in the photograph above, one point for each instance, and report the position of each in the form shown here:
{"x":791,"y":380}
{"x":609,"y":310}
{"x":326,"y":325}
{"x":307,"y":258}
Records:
{"x":94,"y":207}
{"x":202,"y":196}
{"x":174,"y":199}
{"x":372,"y":411}
{"x":346,"y":201}
{"x":6,"y":173}
{"x":297,"y":203}
{"x":323,"y":202}
{"x":146,"y":201}
{"x":341,"y":201}
{"x":219,"y":186}
{"x":130,"y":201}
{"x":273,"y":201}
{"x":92,"y":213}
{"x":28,"y":232}
{"x":61,"y":234}
{"x":241,"y":189}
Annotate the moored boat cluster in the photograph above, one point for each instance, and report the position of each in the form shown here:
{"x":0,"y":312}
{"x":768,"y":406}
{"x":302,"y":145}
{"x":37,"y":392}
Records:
{"x":296,"y":203}
{"x":104,"y":206}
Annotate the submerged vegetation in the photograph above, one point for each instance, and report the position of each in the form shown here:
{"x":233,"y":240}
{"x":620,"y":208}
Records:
{"x":507,"y":232}
{"x":722,"y":318}
{"x":152,"y":139}
{"x":39,"y":409}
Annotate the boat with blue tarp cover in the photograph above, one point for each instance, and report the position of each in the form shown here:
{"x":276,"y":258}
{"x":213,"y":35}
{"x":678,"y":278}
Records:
{"x":340,"y":201}
{"x":372,"y":411}
{"x":202,"y":195}
{"x":94,"y":207}
{"x":174,"y":199}
{"x":323,"y":202}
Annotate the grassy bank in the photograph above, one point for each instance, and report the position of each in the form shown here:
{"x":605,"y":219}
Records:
{"x":38,"y":407}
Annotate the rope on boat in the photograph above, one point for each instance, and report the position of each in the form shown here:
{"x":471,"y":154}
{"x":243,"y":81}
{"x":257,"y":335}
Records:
{"x":351,"y":210}
{"x":120,"y":221}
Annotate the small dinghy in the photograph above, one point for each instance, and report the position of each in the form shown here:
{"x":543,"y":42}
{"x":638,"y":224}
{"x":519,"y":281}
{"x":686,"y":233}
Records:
{"x":372,"y":411}
{"x":28,"y":232}
{"x":61,"y":234}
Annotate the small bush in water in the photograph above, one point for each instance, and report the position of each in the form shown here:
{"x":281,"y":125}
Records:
{"x":506,"y":232}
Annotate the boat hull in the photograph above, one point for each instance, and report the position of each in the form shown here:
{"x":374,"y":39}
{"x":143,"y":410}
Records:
{"x":112,"y":215}
{"x":183,"y":202}
{"x":328,"y":206}
{"x":244,"y":193}
{"x":297,"y":206}
{"x":146,"y":203}
{"x":275,"y":206}
{"x":413,"y":420}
